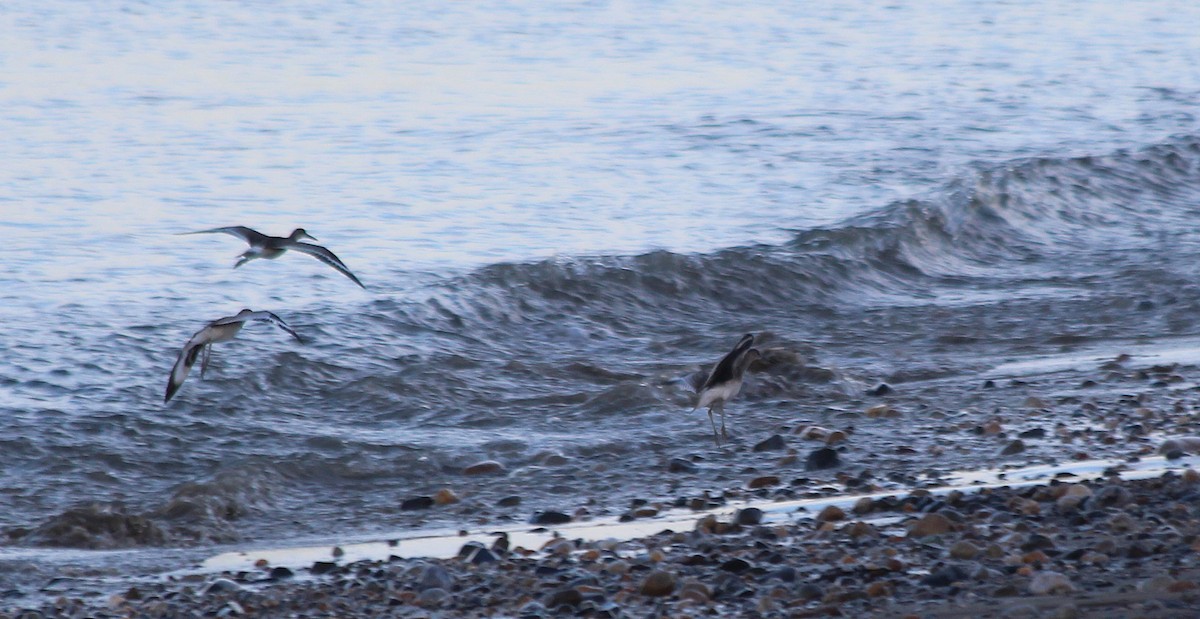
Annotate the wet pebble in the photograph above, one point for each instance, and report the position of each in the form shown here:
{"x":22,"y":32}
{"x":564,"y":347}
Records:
{"x":774,"y":443}
{"x":748,"y":516}
{"x":1050,"y":583}
{"x":487,"y":467}
{"x":763,"y":482}
{"x":964,"y":549}
{"x":823,"y":458}
{"x":549,"y":517}
{"x":419,"y":502}
{"x":564,"y":597}
{"x":680,"y":465}
{"x":1015,"y":447}
{"x":930,"y":524}
{"x":658,"y":583}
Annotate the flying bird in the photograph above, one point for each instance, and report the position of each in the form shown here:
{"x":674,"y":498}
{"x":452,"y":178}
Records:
{"x":725,"y":380}
{"x":219,"y":330}
{"x":271,"y":247}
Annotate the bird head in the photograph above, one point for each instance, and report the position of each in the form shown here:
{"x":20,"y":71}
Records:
{"x":299,"y":234}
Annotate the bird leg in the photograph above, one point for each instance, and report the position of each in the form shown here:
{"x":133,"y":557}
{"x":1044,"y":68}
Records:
{"x":714,"y":427}
{"x":724,"y":434}
{"x":204,"y":351}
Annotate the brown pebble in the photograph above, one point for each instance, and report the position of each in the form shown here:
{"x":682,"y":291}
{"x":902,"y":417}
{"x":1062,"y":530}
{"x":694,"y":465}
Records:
{"x":1048,"y":583}
{"x":863,"y":506}
{"x":861,"y":529}
{"x":445,"y":496}
{"x":831,"y":513}
{"x":1035,"y":556}
{"x":930,"y":524}
{"x":658,"y":583}
{"x":878,"y":589}
{"x":963,"y":549}
{"x":1179,"y":586}
{"x":487,"y":467}
{"x":763,"y":482}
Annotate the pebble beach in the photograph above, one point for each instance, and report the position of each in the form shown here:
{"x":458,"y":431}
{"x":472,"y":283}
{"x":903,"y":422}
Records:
{"x":1117,"y":543}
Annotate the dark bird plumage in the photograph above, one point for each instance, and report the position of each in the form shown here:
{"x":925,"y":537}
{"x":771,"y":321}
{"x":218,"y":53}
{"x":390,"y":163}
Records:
{"x":271,"y":247}
{"x":219,"y":330}
{"x":725,"y":381}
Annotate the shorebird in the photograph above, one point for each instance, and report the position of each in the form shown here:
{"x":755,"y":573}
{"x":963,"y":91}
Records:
{"x":271,"y":247}
{"x":725,"y":380}
{"x":219,"y":330}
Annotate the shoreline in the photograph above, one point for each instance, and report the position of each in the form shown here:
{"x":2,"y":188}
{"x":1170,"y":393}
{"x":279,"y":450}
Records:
{"x":1106,"y":547}
{"x":927,"y":552}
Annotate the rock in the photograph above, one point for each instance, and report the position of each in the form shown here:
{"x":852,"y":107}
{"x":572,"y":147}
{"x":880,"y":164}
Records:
{"x":823,"y":458}
{"x":658,"y":584}
{"x":831,"y":513}
{"x":431,"y":598}
{"x":222,"y":585}
{"x":1185,"y":444}
{"x":1015,"y":447}
{"x":763,"y":482}
{"x":509,"y":501}
{"x":930,"y":524}
{"x":736,"y":565}
{"x":480,"y":556}
{"x":786,"y":573}
{"x":1112,"y":495}
{"x":749,"y":516}
{"x":1033,"y":433}
{"x":1037,"y":541}
{"x":1156,"y":584}
{"x":964,"y":549}
{"x":679,"y":465}
{"x":419,"y":502}
{"x":550,"y":517}
{"x":696,"y":592}
{"x":564,"y":597}
{"x":1075,"y":495}
{"x":487,"y":467}
{"x":280,"y":573}
{"x":861,"y":529}
{"x":810,"y":591}
{"x":434,"y":576}
{"x":1050,"y":583}
{"x":880,"y":389}
{"x":445,"y":496}
{"x":945,"y":576}
{"x":882,"y":410}
{"x":863,"y":506}
{"x":774,"y":443}
{"x":322,"y":567}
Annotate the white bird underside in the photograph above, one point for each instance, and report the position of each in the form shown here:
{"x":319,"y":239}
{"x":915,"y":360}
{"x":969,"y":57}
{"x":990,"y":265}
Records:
{"x":718,"y":394}
{"x":199,"y":346}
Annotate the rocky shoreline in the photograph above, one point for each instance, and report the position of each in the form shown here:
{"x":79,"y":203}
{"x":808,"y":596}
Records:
{"x":1101,"y":548}
{"x":1111,"y":546}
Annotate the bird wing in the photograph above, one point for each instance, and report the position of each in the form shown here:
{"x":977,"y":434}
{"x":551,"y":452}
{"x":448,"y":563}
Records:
{"x":183,"y":364}
{"x":326,"y":256}
{"x":271,"y":317}
{"x":724,"y":368}
{"x":252,"y":237}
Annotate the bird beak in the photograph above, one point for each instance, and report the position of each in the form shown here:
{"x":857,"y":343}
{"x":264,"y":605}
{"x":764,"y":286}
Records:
{"x":309,"y":236}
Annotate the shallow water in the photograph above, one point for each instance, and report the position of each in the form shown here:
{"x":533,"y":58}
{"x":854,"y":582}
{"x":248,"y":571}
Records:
{"x":559,"y":214}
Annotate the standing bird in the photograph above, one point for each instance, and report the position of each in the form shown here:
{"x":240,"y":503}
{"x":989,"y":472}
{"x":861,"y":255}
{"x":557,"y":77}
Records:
{"x":219,"y":330}
{"x":271,"y":247}
{"x":725,"y":380}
